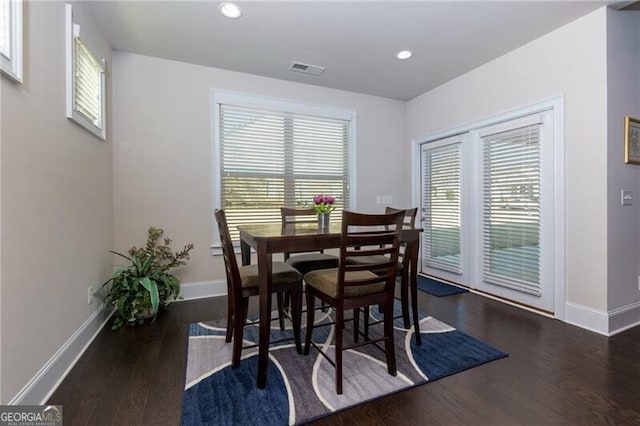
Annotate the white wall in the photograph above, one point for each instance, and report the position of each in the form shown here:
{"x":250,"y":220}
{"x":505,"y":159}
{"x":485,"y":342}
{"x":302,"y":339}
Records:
{"x":162,"y":149}
{"x":623,"y":84}
{"x":56,"y":205}
{"x":570,"y":61}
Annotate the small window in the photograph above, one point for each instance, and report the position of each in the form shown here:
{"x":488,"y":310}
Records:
{"x":11,"y":38}
{"x":85,"y":81}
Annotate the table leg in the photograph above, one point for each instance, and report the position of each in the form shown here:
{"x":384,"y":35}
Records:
{"x":404,"y":294}
{"x":264,"y":270}
{"x":245,"y":253}
{"x":413,"y":249}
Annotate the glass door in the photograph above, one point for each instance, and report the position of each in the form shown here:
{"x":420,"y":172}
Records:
{"x":487,"y":199}
{"x":515,"y":233}
{"x":441,"y":188}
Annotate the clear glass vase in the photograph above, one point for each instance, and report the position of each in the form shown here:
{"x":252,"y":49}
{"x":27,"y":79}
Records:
{"x":323,"y":220}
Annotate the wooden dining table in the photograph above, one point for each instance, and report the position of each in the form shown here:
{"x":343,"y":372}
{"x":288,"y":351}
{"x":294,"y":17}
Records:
{"x":269,"y":238}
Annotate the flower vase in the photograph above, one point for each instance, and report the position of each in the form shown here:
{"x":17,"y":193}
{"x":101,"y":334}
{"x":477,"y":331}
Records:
{"x":323,"y":220}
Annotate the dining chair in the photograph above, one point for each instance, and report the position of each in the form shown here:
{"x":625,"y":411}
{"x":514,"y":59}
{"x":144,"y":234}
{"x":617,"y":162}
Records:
{"x":353,"y":286}
{"x":243,"y":282}
{"x":408,"y":223}
{"x":303,"y":261}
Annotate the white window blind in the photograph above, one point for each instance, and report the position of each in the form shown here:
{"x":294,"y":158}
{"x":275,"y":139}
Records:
{"x":511,"y":216}
{"x":85,"y":79}
{"x":87,"y":95}
{"x":272,"y":159}
{"x":441,"y":198}
{"x":5,"y":32}
{"x":11,"y":38}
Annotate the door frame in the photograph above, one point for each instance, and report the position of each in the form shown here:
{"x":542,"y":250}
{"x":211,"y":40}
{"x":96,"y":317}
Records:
{"x":556,"y":105}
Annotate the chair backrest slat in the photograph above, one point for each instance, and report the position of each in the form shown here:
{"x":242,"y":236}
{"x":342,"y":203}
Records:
{"x":234,"y":283}
{"x":366,"y":235}
{"x":291,"y":217}
{"x":409,"y":221}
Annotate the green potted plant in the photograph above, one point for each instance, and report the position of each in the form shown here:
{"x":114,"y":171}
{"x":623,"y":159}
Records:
{"x":142,"y":287}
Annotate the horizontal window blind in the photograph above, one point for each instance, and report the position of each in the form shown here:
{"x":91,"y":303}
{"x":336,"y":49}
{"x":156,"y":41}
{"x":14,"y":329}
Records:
{"x":5,"y":32}
{"x":441,"y":195}
{"x":272,"y":159}
{"x":87,"y":95}
{"x":511,"y":216}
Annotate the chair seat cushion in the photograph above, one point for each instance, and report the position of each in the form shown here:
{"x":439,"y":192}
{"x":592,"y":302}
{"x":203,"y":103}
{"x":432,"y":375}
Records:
{"x":281,"y":274}
{"x":370,"y":260}
{"x":311,"y":261}
{"x":326,"y":281}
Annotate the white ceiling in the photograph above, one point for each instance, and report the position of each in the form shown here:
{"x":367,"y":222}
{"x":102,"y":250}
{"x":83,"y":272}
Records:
{"x":356,"y":41}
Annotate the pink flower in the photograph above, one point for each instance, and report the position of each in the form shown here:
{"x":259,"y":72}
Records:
{"x":324,"y":203}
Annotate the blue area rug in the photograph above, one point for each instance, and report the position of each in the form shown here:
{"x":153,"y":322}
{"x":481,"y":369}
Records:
{"x":438,"y":288}
{"x":302,"y":388}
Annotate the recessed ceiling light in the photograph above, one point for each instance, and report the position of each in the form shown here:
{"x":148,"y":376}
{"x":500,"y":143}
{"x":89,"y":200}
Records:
{"x":230,"y":10}
{"x":404,"y":54}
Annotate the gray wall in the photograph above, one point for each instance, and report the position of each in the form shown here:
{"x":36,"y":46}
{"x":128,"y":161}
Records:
{"x":593,"y":63}
{"x":568,"y":62}
{"x":162,"y":141}
{"x":623,"y":99}
{"x":56,"y":205}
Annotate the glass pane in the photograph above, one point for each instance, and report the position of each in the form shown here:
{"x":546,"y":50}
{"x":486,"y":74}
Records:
{"x":442,"y":172}
{"x":511,"y":231}
{"x":88,"y":84}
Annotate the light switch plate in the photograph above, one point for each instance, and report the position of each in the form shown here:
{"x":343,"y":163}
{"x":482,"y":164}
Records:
{"x":626,"y":197}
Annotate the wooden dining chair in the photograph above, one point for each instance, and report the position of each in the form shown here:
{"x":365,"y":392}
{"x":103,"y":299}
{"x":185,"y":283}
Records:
{"x":243,"y":282}
{"x":303,"y":261}
{"x":408,"y":223}
{"x":353,"y":286}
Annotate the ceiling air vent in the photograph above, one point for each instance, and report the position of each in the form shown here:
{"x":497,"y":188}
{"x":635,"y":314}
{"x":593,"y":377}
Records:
{"x":306,"y":68}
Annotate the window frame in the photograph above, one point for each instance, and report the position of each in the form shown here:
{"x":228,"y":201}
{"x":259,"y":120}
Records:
{"x":13,"y":66}
{"x":219,"y":97}
{"x":73,"y":28}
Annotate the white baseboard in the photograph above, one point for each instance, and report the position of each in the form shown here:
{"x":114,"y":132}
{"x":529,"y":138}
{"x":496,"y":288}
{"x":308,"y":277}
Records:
{"x":587,"y":318}
{"x":603,"y":322}
{"x":38,"y":390}
{"x":624,"y":318}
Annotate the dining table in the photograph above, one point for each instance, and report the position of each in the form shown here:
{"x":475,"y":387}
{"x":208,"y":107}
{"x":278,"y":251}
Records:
{"x":269,"y":238}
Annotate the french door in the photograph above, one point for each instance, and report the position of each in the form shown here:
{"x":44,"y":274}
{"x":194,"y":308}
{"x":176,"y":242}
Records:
{"x":442,"y":189}
{"x":487,"y":198}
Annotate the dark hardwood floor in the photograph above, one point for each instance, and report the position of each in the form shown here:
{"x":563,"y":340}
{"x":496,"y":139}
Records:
{"x":555,"y":373}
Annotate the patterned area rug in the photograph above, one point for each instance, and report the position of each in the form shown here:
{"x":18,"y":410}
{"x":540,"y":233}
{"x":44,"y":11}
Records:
{"x":302,"y":388}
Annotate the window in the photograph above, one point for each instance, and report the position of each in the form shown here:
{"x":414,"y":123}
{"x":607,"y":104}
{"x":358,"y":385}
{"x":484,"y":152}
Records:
{"x":85,"y":81}
{"x":272,"y":154}
{"x":11,"y":38}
